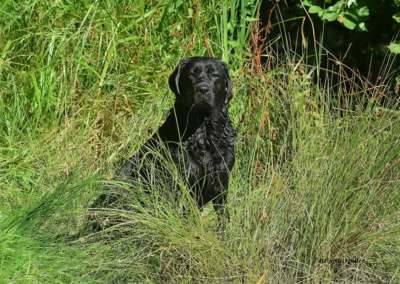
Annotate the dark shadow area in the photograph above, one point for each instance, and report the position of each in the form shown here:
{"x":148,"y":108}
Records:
{"x":350,"y":52}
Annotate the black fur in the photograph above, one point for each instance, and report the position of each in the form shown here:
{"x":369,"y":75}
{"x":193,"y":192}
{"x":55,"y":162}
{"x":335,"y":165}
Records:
{"x":198,"y":133}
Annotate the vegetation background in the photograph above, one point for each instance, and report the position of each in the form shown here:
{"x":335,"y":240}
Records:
{"x":314,"y":195}
{"x":358,"y":33}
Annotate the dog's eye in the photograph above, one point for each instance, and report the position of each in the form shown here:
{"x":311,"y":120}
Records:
{"x":212,"y":72}
{"x":194,"y":71}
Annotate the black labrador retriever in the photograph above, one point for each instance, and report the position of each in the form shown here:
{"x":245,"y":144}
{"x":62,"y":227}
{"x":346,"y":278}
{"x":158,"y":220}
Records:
{"x":197,"y":134}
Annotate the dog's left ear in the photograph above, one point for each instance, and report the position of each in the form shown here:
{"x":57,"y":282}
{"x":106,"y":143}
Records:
{"x":173,"y":80}
{"x":228,"y":87}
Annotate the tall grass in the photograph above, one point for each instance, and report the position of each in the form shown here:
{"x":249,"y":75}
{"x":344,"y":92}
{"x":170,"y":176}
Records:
{"x":314,"y":195}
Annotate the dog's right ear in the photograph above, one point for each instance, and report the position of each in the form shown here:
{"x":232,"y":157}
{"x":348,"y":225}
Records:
{"x":229,"y":93}
{"x":173,"y":80}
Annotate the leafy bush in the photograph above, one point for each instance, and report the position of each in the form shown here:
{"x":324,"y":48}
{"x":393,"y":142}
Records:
{"x":353,"y":14}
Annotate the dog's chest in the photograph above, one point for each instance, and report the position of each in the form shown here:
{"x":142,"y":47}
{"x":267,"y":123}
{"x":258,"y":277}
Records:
{"x":206,"y":148}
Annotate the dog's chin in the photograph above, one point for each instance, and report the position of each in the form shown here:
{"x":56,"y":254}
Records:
{"x":202,"y":107}
{"x":203,"y":103}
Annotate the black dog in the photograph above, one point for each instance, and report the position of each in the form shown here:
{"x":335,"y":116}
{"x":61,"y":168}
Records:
{"x":197,"y":134}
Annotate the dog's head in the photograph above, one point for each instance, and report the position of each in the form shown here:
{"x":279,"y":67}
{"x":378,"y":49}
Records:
{"x":201,"y":82}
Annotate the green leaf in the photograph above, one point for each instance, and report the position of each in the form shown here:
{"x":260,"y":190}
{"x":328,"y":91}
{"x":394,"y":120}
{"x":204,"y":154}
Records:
{"x":329,"y":16}
{"x":351,"y":2}
{"x":178,"y":3}
{"x":307,"y":3}
{"x":396,"y":17}
{"x":229,"y":26}
{"x":334,"y":8}
{"x":338,"y":7}
{"x":315,"y":9}
{"x":363,"y":11}
{"x":394,"y":47}
{"x":190,"y":13}
{"x":348,"y":23}
{"x":362,"y":27}
{"x":352,"y":16}
{"x":250,"y":19}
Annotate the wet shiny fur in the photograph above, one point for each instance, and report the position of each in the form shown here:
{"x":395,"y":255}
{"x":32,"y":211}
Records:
{"x":198,"y":133}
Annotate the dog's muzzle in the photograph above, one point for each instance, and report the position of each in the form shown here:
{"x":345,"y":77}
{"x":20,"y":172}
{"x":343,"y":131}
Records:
{"x":202,"y":89}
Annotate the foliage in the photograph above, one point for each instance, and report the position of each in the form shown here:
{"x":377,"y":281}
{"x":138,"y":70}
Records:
{"x":352,"y":14}
{"x":394,"y":47}
{"x":348,"y":13}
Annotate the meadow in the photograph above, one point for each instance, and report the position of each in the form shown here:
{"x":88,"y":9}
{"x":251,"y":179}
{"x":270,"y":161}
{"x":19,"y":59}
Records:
{"x":315,"y":192}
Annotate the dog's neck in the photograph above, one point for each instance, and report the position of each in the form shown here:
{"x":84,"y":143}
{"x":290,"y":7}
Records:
{"x":183,"y":121}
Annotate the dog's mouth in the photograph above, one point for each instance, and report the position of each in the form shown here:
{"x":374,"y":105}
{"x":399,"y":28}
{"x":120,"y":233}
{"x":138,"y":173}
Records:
{"x":202,"y":108}
{"x":202,"y":89}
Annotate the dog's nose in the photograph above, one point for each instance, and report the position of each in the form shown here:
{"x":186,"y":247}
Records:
{"x":202,"y":89}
